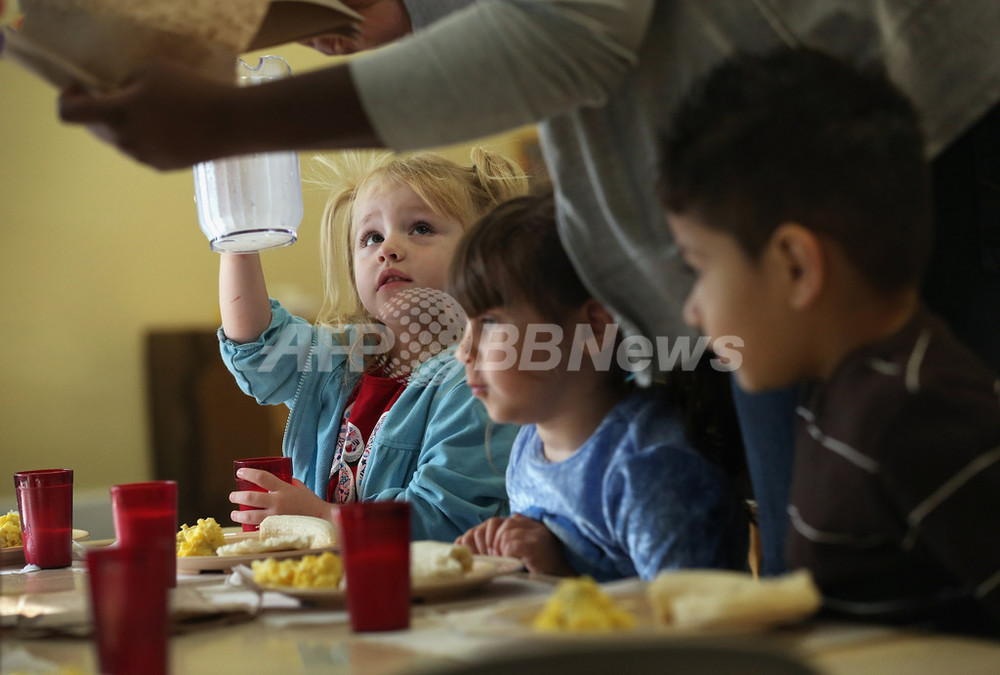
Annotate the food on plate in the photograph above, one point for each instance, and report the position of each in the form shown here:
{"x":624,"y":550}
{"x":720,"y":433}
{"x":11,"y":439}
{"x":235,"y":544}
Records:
{"x":439,"y":560}
{"x":10,"y":530}
{"x":320,"y":533}
{"x":311,"y":571}
{"x":579,"y":605}
{"x":202,"y":539}
{"x":277,"y":533}
{"x":719,"y":597}
{"x":250,"y":546}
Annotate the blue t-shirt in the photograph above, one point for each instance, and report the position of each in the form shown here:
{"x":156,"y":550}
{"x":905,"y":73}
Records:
{"x":635,"y":499}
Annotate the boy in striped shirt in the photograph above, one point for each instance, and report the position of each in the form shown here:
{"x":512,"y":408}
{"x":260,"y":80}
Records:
{"x":797,"y":190}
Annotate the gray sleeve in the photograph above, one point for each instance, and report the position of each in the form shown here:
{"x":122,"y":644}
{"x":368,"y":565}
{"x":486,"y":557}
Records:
{"x":425,"y":12}
{"x":496,"y":65}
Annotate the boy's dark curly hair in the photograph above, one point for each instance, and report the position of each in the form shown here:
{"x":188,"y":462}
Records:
{"x":800,"y":136}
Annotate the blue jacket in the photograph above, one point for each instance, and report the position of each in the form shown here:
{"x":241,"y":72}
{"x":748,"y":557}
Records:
{"x":436,"y":449}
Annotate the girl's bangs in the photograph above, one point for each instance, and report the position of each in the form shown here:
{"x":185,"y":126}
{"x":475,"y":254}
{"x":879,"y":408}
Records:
{"x":480,"y":280}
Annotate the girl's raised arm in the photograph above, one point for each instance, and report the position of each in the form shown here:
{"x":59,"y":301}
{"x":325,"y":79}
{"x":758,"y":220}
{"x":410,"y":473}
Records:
{"x":243,"y":300}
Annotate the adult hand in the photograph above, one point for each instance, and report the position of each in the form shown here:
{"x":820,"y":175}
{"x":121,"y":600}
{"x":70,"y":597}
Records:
{"x":281,"y":498}
{"x":480,"y":538}
{"x":165,"y":116}
{"x":534,"y":544}
{"x":170,"y":118}
{"x":385,"y":21}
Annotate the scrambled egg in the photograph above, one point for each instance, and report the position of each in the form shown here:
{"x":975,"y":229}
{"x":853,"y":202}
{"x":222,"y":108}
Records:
{"x":311,"y":571}
{"x":579,"y":605}
{"x":10,"y":530}
{"x":202,"y":539}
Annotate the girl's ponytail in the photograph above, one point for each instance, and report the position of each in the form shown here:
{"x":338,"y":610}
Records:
{"x":499,"y":177}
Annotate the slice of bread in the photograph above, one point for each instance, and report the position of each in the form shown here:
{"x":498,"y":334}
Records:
{"x":438,"y":560}
{"x":722,"y":598}
{"x":320,"y":533}
{"x":249,"y":546}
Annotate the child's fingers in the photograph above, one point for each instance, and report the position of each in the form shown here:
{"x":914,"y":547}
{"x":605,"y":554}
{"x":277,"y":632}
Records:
{"x":509,"y":539}
{"x":518,"y":527}
{"x":248,"y":517}
{"x":488,"y":535}
{"x":513,"y":546}
{"x":259,"y":500}
{"x":473,"y":538}
{"x":484,"y":540}
{"x":264,"y":479}
{"x":479,"y":539}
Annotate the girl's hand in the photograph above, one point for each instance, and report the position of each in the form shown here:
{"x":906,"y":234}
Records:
{"x":281,"y":498}
{"x":480,"y":538}
{"x":534,"y":544}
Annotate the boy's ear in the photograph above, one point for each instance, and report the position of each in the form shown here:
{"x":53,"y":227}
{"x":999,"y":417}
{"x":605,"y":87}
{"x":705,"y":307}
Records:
{"x":599,"y":318}
{"x":799,"y":255}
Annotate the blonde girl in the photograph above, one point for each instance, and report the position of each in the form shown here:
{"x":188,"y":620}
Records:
{"x":379,"y":409}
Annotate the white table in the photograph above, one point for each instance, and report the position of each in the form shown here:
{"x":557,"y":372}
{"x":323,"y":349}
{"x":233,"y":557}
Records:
{"x":283,"y":638}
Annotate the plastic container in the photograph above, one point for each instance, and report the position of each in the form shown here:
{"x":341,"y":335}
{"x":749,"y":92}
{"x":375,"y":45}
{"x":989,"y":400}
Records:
{"x":375,"y":545}
{"x":251,"y":202}
{"x":279,"y":466}
{"x":45,"y":503}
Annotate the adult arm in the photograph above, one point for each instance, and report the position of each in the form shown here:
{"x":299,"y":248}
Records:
{"x":497,"y":65}
{"x":170,"y":118}
{"x":423,"y":13}
{"x":483,"y":69}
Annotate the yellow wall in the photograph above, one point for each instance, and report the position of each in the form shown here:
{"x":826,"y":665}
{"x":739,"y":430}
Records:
{"x":94,"y":251}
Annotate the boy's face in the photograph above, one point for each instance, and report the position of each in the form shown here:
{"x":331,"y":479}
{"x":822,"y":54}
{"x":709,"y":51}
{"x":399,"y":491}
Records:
{"x":735,"y":296}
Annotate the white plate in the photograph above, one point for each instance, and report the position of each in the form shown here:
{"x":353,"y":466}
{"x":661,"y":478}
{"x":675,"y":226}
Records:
{"x":14,"y":555}
{"x":514,"y":619}
{"x":484,"y":569}
{"x":193,"y":564}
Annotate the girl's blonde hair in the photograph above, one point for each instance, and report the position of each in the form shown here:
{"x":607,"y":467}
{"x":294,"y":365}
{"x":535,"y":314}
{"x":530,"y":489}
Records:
{"x":464,"y":193}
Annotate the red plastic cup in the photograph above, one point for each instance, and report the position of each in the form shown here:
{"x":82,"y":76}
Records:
{"x":375,"y":544}
{"x":279,"y":466}
{"x":45,"y":502}
{"x":128,"y":601}
{"x":145,"y":516}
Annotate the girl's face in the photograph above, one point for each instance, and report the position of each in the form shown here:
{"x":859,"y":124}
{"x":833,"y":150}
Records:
{"x":514,"y":361}
{"x":399,"y":243}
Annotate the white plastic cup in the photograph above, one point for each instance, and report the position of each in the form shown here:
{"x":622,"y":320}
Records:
{"x":251,"y":202}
